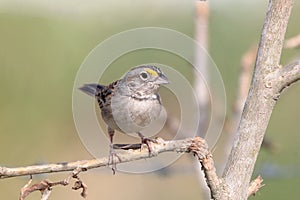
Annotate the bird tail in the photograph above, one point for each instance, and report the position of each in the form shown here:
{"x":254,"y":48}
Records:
{"x":91,"y":89}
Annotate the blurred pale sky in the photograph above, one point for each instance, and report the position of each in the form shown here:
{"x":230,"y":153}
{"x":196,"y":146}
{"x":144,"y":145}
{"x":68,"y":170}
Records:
{"x":81,"y":7}
{"x":84,"y":8}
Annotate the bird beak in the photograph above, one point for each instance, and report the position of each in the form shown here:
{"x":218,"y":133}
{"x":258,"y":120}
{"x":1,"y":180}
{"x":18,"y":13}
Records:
{"x":162,"y":79}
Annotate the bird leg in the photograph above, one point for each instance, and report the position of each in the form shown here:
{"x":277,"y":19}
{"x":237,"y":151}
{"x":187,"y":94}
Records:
{"x":112,"y":152}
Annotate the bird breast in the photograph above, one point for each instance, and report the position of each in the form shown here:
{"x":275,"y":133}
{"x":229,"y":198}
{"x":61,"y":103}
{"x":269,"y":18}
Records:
{"x":131,"y":115}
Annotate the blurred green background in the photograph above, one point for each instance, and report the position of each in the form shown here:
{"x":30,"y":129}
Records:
{"x":43,"y":44}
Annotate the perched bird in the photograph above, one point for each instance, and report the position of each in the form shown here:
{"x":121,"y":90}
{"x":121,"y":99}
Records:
{"x":131,"y":103}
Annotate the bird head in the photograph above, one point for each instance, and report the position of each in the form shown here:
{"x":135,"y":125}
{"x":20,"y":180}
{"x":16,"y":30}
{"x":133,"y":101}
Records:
{"x":145,"y":79}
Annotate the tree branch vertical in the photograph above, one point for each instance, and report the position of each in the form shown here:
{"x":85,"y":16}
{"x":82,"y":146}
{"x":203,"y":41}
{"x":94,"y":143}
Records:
{"x":260,"y":101}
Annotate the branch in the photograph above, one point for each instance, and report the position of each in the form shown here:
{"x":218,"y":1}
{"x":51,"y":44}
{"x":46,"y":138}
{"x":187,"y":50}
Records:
{"x":254,"y":186}
{"x":197,"y":146}
{"x":288,"y":75}
{"x":260,"y":101}
{"x":46,"y":194}
{"x":45,"y":186}
{"x":293,"y":42}
{"x":159,"y":147}
{"x":201,"y":65}
{"x":215,"y":184}
{"x":218,"y":189}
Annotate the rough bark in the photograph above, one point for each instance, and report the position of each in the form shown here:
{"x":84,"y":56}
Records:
{"x":263,"y":93}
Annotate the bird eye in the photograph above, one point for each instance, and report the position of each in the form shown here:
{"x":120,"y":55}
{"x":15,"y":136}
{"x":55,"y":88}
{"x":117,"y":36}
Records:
{"x":144,"y":75}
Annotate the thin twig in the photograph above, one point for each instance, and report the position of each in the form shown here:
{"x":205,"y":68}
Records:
{"x":288,"y":75}
{"x":255,"y":185}
{"x":158,"y":147}
{"x":46,"y":194}
{"x":45,"y":186}
{"x":293,"y":42}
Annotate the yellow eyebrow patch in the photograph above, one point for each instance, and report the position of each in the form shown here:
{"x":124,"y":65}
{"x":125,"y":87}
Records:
{"x":152,"y":72}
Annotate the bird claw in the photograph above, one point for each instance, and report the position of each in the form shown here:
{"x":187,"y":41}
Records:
{"x":148,"y":142}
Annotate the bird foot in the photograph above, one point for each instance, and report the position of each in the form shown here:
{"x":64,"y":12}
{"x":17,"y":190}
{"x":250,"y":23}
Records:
{"x":148,"y":142}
